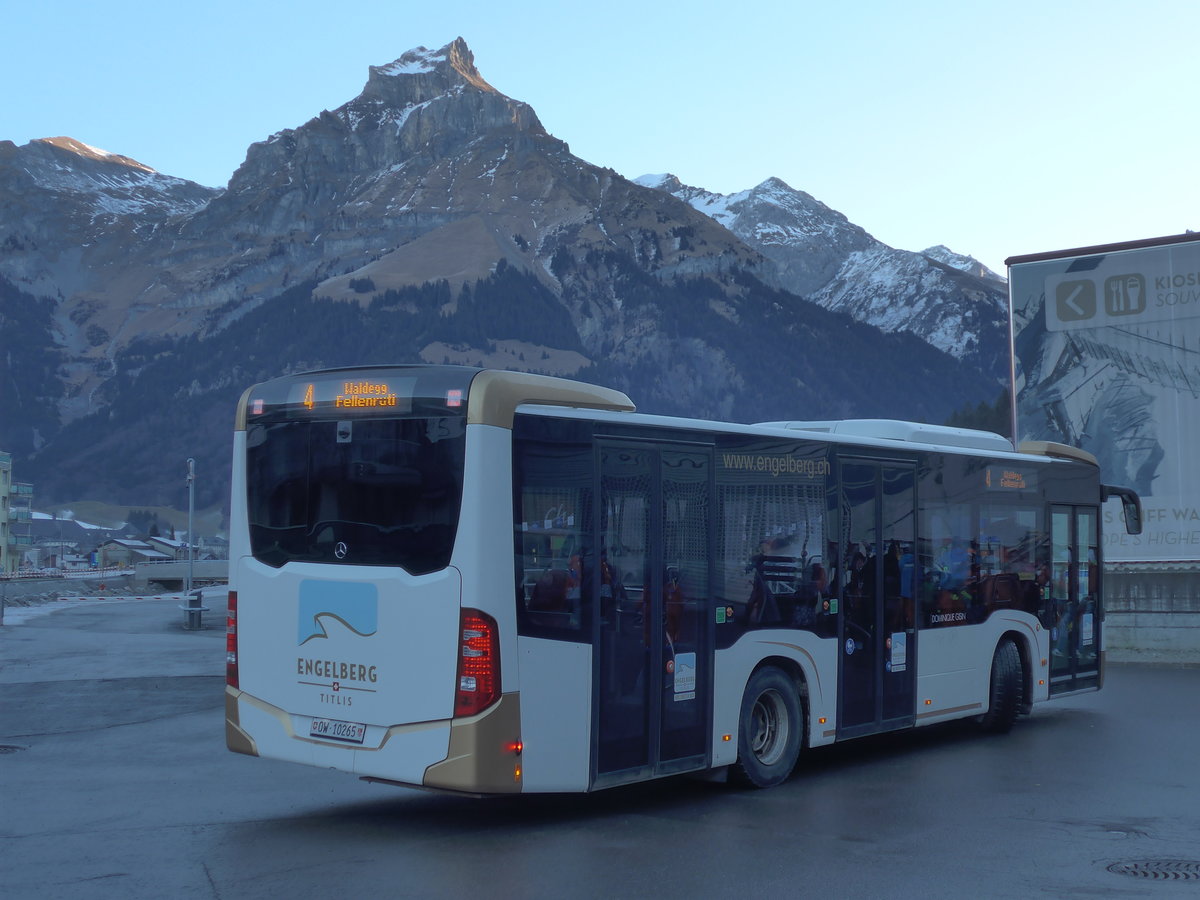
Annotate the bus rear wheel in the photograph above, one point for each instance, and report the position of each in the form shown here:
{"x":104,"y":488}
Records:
{"x":770,"y":729}
{"x":1008,"y":689}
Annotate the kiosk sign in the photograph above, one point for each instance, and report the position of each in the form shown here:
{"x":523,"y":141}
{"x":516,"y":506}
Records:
{"x":1107,"y":359}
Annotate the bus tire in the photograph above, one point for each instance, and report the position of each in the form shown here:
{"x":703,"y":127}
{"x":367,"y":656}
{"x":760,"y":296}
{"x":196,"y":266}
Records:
{"x":1008,"y":689}
{"x":770,"y":730}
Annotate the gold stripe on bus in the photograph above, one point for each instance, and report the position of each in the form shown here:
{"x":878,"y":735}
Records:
{"x":495,"y":395}
{"x":477,"y":760}
{"x":235,"y":738}
{"x":239,"y":420}
{"x":951,"y":710}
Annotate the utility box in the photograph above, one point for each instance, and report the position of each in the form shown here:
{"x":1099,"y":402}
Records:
{"x":193,"y":610}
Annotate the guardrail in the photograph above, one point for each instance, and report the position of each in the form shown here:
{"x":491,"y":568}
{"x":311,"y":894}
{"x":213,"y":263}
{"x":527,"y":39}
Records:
{"x":109,"y":572}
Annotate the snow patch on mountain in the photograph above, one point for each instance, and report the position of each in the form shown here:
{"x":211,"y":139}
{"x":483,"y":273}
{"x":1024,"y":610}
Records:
{"x":115,"y":185}
{"x":943,"y":254}
{"x":414,"y":62}
{"x":897,"y":290}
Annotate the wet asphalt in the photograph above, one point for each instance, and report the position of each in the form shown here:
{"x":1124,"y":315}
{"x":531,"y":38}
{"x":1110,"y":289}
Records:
{"x":115,"y":782}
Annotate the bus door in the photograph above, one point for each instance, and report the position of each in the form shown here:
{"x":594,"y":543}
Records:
{"x":1074,"y":609}
{"x":877,"y":631}
{"x":653,"y":662}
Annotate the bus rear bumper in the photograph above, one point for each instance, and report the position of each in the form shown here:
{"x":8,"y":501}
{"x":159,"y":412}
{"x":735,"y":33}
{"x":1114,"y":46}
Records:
{"x":399,"y":753}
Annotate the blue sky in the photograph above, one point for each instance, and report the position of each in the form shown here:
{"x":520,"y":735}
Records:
{"x":994,"y":128}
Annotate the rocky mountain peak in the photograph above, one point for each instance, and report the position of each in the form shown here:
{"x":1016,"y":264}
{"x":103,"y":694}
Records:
{"x":425,"y":104}
{"x":805,"y":239}
{"x":663,"y":182}
{"x":775,"y":184}
{"x":421,"y":79}
{"x":439,"y":70}
{"x":969,"y":264}
{"x":80,"y":149}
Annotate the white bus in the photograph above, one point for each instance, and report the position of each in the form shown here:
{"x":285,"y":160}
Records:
{"x":491,"y":582}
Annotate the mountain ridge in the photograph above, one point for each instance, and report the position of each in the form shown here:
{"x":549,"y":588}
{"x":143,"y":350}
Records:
{"x":950,"y":300}
{"x":430,"y":216}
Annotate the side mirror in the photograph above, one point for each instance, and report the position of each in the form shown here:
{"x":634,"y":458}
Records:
{"x":1131,"y":505}
{"x":1133,"y":514}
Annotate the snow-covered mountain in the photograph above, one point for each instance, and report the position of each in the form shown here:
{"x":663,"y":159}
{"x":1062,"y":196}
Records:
{"x":429,"y":218}
{"x":65,"y":200}
{"x":805,"y":239}
{"x":953,"y":302}
{"x":115,"y":184}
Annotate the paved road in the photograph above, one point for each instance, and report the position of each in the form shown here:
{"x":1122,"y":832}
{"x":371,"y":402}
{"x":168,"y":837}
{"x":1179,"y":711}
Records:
{"x":115,"y":782}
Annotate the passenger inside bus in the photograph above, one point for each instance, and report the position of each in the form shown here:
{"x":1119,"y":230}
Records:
{"x":860,"y":584}
{"x":673,"y":603}
{"x":816,"y":608}
{"x":897,"y":587}
{"x":556,"y":595}
{"x":954,"y":588}
{"x":787,"y":590}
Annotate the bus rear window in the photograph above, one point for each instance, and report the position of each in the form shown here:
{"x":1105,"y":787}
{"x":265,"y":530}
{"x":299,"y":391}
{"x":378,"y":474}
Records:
{"x":373,"y":492}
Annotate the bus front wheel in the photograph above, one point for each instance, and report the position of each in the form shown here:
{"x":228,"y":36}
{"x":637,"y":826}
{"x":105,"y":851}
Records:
{"x":769,"y":730}
{"x":1008,"y":689}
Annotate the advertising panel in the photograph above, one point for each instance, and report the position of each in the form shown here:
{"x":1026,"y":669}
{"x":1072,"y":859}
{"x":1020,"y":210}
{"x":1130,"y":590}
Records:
{"x":1107,"y":359}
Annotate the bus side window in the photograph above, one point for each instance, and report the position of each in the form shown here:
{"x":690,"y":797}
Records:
{"x":552,"y":505}
{"x":950,"y":561}
{"x":772,"y":573}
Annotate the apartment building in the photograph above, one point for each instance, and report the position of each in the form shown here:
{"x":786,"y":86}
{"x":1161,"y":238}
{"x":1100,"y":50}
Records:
{"x":16,"y":517}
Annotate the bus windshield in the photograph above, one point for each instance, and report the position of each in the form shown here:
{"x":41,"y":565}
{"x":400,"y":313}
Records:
{"x":365,"y":491}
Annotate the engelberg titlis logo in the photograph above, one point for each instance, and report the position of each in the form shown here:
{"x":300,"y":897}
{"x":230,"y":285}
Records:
{"x":354,"y":606}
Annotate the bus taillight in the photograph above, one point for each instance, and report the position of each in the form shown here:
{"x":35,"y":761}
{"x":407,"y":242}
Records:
{"x":231,"y":644}
{"x":478,"y":664}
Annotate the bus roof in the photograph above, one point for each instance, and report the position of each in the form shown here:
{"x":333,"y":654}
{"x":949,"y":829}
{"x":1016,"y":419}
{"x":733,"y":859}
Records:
{"x":909,"y":432}
{"x":859,"y":433}
{"x":496,"y":394}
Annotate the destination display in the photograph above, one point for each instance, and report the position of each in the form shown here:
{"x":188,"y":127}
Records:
{"x":1007,"y":478}
{"x":354,"y":393}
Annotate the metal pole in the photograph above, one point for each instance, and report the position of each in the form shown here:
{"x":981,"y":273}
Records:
{"x":191,"y":483}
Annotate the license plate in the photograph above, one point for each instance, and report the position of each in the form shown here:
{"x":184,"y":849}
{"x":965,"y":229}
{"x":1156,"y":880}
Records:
{"x":337,"y":730}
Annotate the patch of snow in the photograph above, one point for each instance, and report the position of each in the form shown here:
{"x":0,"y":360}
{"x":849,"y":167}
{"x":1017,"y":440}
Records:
{"x":129,"y":192}
{"x":490,"y":174}
{"x":68,"y":516}
{"x":943,"y":254}
{"x":97,"y":152}
{"x":415,"y":62}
